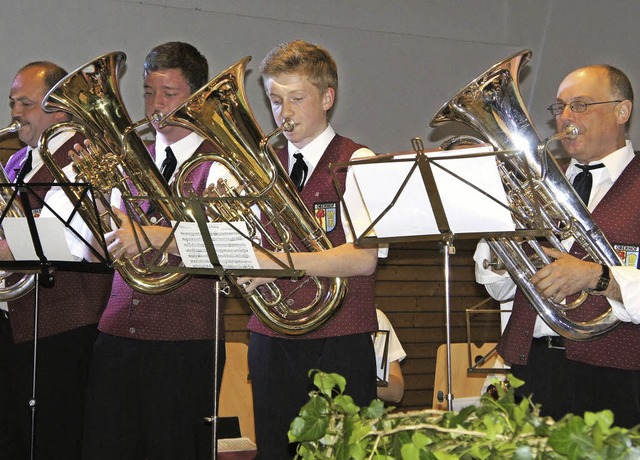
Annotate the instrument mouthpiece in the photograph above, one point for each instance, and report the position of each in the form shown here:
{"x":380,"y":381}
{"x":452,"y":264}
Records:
{"x":288,"y":124}
{"x":571,"y":132}
{"x":157,"y":116}
{"x":15,"y":126}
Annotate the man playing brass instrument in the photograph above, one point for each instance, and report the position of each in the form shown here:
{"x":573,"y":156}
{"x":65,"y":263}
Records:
{"x":151,"y":383}
{"x":68,"y":312}
{"x":300,"y":80}
{"x":568,"y":376}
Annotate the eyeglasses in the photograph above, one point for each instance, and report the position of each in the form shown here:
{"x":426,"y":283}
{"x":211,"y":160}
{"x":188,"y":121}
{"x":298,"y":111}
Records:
{"x":575,"y":106}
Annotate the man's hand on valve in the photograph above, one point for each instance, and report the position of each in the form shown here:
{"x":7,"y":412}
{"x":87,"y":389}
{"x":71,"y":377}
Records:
{"x":565,"y":276}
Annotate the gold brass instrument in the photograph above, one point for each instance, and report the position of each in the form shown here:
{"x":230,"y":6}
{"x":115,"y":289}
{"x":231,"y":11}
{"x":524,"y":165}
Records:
{"x":219,"y":112}
{"x":117,"y":159}
{"x":540,"y":197}
{"x":12,"y":209}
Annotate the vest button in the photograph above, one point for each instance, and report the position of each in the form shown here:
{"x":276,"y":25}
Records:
{"x":521,"y":356}
{"x":136,"y":302}
{"x":132,"y":330}
{"x":290,"y":302}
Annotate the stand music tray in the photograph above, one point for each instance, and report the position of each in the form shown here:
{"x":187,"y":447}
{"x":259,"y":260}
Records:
{"x":42,"y":250}
{"x":431,"y":195}
{"x":206,"y":248}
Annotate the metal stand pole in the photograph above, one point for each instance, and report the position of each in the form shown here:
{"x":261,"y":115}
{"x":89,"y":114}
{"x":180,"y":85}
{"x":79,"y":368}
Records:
{"x":448,"y":249}
{"x":32,"y":401}
{"x":214,"y":417}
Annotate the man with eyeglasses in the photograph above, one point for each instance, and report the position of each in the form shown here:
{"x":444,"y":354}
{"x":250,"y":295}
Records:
{"x":568,"y":376}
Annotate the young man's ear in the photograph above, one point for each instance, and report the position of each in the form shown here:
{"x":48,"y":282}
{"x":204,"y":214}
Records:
{"x":328,"y":98}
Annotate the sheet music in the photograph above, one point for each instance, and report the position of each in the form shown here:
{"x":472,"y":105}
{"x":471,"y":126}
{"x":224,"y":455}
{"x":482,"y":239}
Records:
{"x":233,"y":251}
{"x":467,"y":209}
{"x":51,"y":232}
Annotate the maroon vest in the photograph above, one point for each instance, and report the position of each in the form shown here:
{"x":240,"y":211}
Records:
{"x":76,"y":299}
{"x":357,"y":313}
{"x":618,"y":215}
{"x":186,"y":313}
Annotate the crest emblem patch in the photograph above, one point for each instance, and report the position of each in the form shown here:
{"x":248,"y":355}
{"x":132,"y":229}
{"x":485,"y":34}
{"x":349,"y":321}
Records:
{"x":628,"y":254}
{"x":326,"y":215}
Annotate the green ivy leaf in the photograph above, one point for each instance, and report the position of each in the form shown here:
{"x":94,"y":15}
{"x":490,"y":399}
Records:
{"x":313,"y":421}
{"x":374,"y":410}
{"x":327,"y":382}
{"x":570,"y":439}
{"x":345,"y":404}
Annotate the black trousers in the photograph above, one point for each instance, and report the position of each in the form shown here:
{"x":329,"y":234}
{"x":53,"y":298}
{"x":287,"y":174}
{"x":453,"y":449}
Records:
{"x":149,"y":399}
{"x":61,"y":375}
{"x":279,"y":371}
{"x":563,"y":386}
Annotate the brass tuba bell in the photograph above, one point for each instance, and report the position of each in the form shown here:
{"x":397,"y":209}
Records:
{"x":219,"y":111}
{"x":540,"y":197}
{"x":10,"y":208}
{"x":118,"y":159}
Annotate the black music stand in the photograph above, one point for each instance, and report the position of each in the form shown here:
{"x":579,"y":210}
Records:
{"x":408,"y":199}
{"x":382,"y":368}
{"x":205,"y":259}
{"x":41,"y":264}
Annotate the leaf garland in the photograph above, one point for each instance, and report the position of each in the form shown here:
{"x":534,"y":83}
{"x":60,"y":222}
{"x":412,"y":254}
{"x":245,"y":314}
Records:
{"x":331,"y":426}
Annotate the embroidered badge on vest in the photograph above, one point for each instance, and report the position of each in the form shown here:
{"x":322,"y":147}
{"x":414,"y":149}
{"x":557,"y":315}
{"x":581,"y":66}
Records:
{"x":326,"y":215}
{"x":628,"y":254}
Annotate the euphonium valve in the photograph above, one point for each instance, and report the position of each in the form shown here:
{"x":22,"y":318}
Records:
{"x":219,"y":112}
{"x":540,"y":197}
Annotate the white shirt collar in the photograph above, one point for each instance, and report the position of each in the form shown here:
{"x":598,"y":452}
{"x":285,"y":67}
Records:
{"x":314,"y":150}
{"x":54,"y":144}
{"x":614,"y":163}
{"x":604,"y":178}
{"x":183,"y":149}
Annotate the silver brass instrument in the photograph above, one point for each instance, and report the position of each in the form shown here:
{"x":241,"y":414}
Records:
{"x":12,"y":209}
{"x":117,"y":159}
{"x":540,"y":197}
{"x":220,"y":112}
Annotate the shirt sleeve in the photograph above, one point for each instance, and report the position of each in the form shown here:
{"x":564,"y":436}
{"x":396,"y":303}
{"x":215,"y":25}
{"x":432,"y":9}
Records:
{"x":628,"y":278}
{"x":499,"y":286}
{"x":354,"y":202}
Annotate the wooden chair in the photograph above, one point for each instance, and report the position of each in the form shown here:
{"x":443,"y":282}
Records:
{"x":464,"y":384}
{"x":236,"y":398}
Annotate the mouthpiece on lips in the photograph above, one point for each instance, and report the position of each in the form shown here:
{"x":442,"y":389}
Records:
{"x":288,"y":124}
{"x":571,"y":131}
{"x":157,"y":116}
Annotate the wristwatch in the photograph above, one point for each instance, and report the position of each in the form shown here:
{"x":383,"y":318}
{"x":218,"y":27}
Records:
{"x":603,"y":281}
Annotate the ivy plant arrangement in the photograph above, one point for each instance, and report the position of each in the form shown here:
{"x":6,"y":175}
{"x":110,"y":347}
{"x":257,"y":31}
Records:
{"x":331,"y":426}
